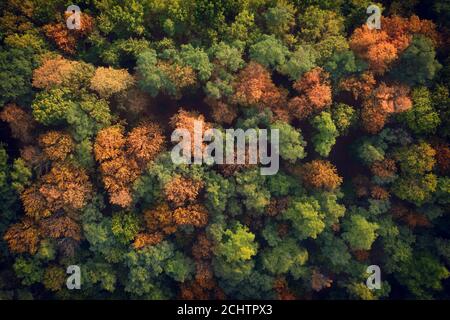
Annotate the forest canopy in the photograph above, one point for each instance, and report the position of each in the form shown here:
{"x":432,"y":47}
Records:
{"x":88,"y":106}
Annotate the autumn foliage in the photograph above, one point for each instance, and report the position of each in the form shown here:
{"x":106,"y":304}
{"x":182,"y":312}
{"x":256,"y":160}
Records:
{"x":380,"y":48}
{"x":108,"y":81}
{"x":181,"y":190}
{"x":320,"y":174}
{"x":23,"y":237}
{"x":254,"y":87}
{"x":64,"y":187}
{"x":56,"y":145}
{"x":21,"y":123}
{"x":314,"y":94}
{"x":122,"y":158}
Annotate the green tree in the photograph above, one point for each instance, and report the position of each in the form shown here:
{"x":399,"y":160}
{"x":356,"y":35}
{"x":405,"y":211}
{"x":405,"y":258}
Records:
{"x":250,"y":185}
{"x":415,"y":189}
{"x":20,"y":175}
{"x":416,"y":159}
{"x":292,"y":145}
{"x":16,"y":67}
{"x":286,"y":257}
{"x":344,"y":117}
{"x":417,"y":65}
{"x":302,"y":60}
{"x":51,"y":107}
{"x":269,"y":52}
{"x":327,"y":133}
{"x":423,"y":284}
{"x":343,"y":64}
{"x":359,"y":233}
{"x":125,"y":226}
{"x":280,"y":19}
{"x":306,"y":217}
{"x":421,"y":118}
{"x":238,"y":244}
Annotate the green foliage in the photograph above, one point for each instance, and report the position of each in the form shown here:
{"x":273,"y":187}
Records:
{"x":359,"y":233}
{"x":288,"y":256}
{"x":327,"y":133}
{"x":269,"y":52}
{"x":344,"y":117}
{"x":16,"y":67}
{"x":122,"y":19}
{"x":148,"y":266}
{"x":306,"y":217}
{"x":415,"y":189}
{"x":423,"y":284}
{"x":237,"y":245}
{"x":29,"y":270}
{"x":421,"y":118}
{"x":343,"y":64}
{"x":280,"y":19}
{"x":292,"y":145}
{"x":416,"y":159}
{"x":125,"y":226}
{"x":250,"y":185}
{"x":51,"y":107}
{"x":417,"y":65}
{"x":300,"y":61}
{"x":197,"y":59}
{"x":20,"y":175}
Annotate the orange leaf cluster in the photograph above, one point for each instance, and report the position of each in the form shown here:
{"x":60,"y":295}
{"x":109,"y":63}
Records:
{"x":194,"y":214}
{"x":180,"y":76}
{"x":22,"y":124}
{"x":320,"y":174}
{"x":202,"y":247}
{"x":361,"y":255}
{"x":254,"y":87}
{"x":181,"y":190}
{"x":204,"y":286}
{"x":160,"y":220}
{"x":53,"y":72}
{"x":282,"y":289}
{"x":60,"y":227}
{"x":277,"y":206}
{"x":383,"y":101}
{"x":61,"y":35}
{"x":222,"y":112}
{"x":108,"y":81}
{"x":66,"y":39}
{"x":64,"y":187}
{"x":143,"y":240}
{"x":359,"y":86}
{"x":32,"y":155}
{"x":379,"y":193}
{"x":384,"y":169}
{"x":412,"y":219}
{"x":442,"y":156}
{"x":122,"y":159}
{"x":382,"y":47}
{"x":145,"y":142}
{"x":56,"y":145}
{"x":185,"y":120}
{"x":22,"y":237}
{"x":314,"y":90}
